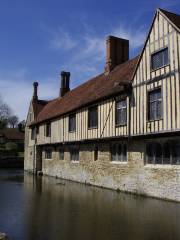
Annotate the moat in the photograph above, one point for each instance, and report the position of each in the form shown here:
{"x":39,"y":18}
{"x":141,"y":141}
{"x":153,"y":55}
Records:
{"x":46,"y":208}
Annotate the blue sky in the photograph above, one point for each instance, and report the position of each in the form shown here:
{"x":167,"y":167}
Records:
{"x":40,"y":38}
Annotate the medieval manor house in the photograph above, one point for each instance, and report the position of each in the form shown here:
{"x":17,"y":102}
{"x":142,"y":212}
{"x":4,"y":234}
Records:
{"x":121,"y":129}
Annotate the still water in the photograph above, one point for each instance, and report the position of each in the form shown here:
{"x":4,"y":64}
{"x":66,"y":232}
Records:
{"x":48,"y":208}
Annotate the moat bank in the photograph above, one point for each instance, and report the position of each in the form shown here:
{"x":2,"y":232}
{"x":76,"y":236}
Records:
{"x":48,"y":208}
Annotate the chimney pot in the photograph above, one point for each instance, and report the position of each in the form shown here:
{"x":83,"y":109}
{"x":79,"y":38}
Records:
{"x":35,"y":93}
{"x":65,"y":80}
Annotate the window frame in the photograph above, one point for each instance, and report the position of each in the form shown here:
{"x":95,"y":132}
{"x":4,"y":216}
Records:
{"x":33,"y":133}
{"x":72,"y":151}
{"x":171,"y":144}
{"x":96,"y":152}
{"x":156,"y":52}
{"x":61,"y":150}
{"x":117,"y":124}
{"x":119,"y":158}
{"x":148,"y":104}
{"x":47,"y":151}
{"x":48,"y":129}
{"x":72,"y":116}
{"x":89,"y":111}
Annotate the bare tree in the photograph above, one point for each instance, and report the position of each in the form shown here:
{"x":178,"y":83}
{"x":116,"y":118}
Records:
{"x":5,"y":113}
{"x":13,"y":121}
{"x":21,"y":126}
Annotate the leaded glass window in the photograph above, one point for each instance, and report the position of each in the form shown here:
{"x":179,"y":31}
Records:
{"x":167,"y":152}
{"x":72,"y":123}
{"x":74,"y":153}
{"x":119,"y":152}
{"x":121,"y":112}
{"x":48,"y":154}
{"x":155,"y":104}
{"x":61,"y":154}
{"x":159,"y":59}
{"x":93,"y":117}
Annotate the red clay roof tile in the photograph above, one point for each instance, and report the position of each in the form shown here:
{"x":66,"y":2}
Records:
{"x":95,"y":89}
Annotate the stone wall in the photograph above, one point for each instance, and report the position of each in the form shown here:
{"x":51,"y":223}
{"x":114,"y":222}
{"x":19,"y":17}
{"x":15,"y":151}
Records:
{"x":29,"y":158}
{"x":162,"y":181}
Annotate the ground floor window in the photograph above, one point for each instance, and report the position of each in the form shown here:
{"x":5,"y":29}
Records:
{"x":48,"y":154}
{"x":119,"y":152}
{"x":163,"y":153}
{"x":61,"y":154}
{"x":74,"y":153}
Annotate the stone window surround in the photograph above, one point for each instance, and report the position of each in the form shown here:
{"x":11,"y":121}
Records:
{"x":160,"y":166}
{"x":110,"y":152}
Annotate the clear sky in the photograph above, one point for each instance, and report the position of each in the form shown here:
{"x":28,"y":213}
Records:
{"x":40,"y":38}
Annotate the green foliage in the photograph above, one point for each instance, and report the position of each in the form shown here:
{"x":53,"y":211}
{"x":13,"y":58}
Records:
{"x":2,"y":147}
{"x":3,"y":123}
{"x":10,"y":146}
{"x":20,"y":154}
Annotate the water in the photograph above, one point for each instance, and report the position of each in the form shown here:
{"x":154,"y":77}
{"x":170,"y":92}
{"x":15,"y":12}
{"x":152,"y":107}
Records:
{"x":49,"y":209}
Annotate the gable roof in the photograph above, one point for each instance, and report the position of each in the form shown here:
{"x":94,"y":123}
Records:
{"x":12,"y":134}
{"x":99,"y":87}
{"x":38,"y":105}
{"x":95,"y":89}
{"x":173,"y":17}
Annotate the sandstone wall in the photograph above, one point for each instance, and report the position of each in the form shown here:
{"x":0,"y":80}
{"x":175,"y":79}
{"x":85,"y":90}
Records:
{"x":162,"y":181}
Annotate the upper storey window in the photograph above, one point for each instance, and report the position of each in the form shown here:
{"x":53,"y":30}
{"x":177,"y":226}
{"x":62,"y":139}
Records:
{"x":33,"y":133}
{"x":155,"y":105}
{"x":72,"y":123}
{"x":121,"y":112}
{"x":48,"y":129}
{"x":93,"y":117}
{"x":159,"y":59}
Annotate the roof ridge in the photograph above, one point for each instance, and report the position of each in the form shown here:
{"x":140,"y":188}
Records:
{"x":95,"y":89}
{"x":173,"y":18}
{"x":94,"y":78}
{"x":165,"y":11}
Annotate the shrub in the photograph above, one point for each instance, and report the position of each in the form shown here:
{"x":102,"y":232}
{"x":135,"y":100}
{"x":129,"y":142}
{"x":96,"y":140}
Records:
{"x":10,"y":146}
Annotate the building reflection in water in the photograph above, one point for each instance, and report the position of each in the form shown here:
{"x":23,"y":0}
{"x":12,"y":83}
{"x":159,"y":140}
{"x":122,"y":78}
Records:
{"x":58,"y":209}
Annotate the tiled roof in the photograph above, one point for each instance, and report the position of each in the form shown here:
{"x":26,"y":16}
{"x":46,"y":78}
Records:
{"x":95,"y":89}
{"x":174,"y":18}
{"x":12,"y":134}
{"x":38,"y":105}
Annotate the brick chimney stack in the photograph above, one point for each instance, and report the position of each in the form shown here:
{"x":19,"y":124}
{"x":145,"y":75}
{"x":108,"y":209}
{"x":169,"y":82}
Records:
{"x":65,"y":80}
{"x":117,"y":52}
{"x":35,"y":93}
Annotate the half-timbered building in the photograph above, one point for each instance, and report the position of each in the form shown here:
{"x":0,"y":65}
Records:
{"x":121,"y":129}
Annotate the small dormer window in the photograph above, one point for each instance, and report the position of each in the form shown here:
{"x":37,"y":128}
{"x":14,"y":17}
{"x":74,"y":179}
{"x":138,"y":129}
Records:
{"x":159,"y":59}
